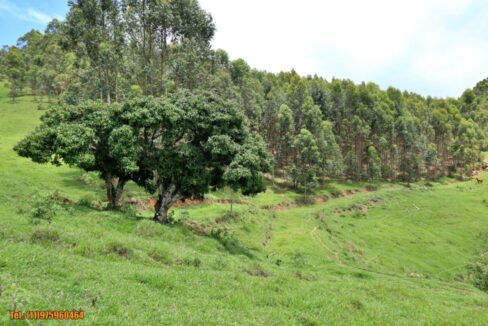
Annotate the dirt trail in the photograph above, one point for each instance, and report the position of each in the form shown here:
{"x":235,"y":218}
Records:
{"x":314,"y":236}
{"x":320,"y":199}
{"x":151,"y":203}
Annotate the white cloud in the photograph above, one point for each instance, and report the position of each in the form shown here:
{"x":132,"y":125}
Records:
{"x":436,"y":47}
{"x":38,"y":16}
{"x":25,"y":14}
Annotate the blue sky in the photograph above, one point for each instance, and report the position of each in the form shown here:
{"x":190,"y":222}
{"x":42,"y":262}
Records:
{"x":432,"y":47}
{"x":20,"y":16}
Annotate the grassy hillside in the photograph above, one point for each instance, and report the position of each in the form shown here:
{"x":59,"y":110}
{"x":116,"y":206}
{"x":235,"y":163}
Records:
{"x":362,"y":254}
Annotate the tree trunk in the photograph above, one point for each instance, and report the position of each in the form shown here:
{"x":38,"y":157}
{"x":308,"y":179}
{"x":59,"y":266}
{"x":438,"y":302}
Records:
{"x":166,"y":199}
{"x":115,"y":189}
{"x":161,"y":215}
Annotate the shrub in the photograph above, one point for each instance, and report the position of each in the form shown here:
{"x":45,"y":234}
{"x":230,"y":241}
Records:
{"x":89,"y":178}
{"x":129,"y":210}
{"x":90,"y":202}
{"x":229,"y":242}
{"x":229,"y":216}
{"x":336,"y":193}
{"x":356,"y":304}
{"x":299,"y":259}
{"x":257,"y":270}
{"x":305,"y":200}
{"x":147,"y":228}
{"x":195,"y":262}
{"x":118,"y":249}
{"x":160,"y":255}
{"x":219,"y":263}
{"x":184,"y":214}
{"x":307,"y":321}
{"x":45,"y":236}
{"x":43,"y":208}
{"x":253,"y":210}
{"x":478,"y":273}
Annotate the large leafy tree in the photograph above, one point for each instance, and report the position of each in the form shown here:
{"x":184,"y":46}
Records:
{"x":192,"y":143}
{"x":86,"y":136}
{"x":245,"y":173}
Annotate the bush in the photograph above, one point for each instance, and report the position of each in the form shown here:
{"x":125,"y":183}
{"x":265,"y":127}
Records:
{"x":335,"y":193}
{"x":305,"y":200}
{"x":90,"y":202}
{"x":195,"y":262}
{"x":89,"y":179}
{"x":229,"y":216}
{"x":184,"y":214}
{"x":160,"y":255}
{"x":129,"y":211}
{"x":219,"y":264}
{"x":229,"y":242}
{"x":299,"y":259}
{"x":118,"y":249}
{"x":43,"y":208}
{"x":147,"y":229}
{"x":257,"y":270}
{"x":478,"y":273}
{"x":253,"y":210}
{"x":45,"y":236}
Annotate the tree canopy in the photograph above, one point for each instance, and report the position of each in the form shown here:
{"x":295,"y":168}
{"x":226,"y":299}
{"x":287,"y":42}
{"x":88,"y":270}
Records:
{"x":192,"y":142}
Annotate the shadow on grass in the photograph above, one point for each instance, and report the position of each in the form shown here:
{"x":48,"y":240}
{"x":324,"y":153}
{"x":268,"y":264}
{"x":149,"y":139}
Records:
{"x":221,"y":234}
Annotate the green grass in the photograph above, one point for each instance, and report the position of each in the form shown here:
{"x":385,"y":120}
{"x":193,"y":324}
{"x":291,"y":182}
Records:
{"x":395,"y":256}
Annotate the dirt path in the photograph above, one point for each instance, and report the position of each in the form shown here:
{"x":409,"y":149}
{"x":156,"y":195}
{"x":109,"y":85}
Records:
{"x":151,"y":203}
{"x":320,"y":199}
{"x":314,"y":236}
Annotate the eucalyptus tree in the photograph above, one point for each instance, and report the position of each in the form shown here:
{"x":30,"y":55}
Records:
{"x":410,"y":146}
{"x":15,"y":71}
{"x":30,"y":44}
{"x":94,"y":30}
{"x":286,"y":128}
{"x":332,"y":162}
{"x":3,"y":65}
{"x":474,"y":106}
{"x":307,"y":160}
{"x":158,"y":32}
{"x":374,"y":164}
{"x":466,"y":147}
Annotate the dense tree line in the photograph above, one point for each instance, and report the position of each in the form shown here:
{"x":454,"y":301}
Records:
{"x":119,"y":50}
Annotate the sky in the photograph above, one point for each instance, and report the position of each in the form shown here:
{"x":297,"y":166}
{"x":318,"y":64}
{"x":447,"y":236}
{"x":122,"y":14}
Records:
{"x":432,"y":47}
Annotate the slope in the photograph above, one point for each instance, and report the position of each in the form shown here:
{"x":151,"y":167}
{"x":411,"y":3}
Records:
{"x":362,"y":254}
